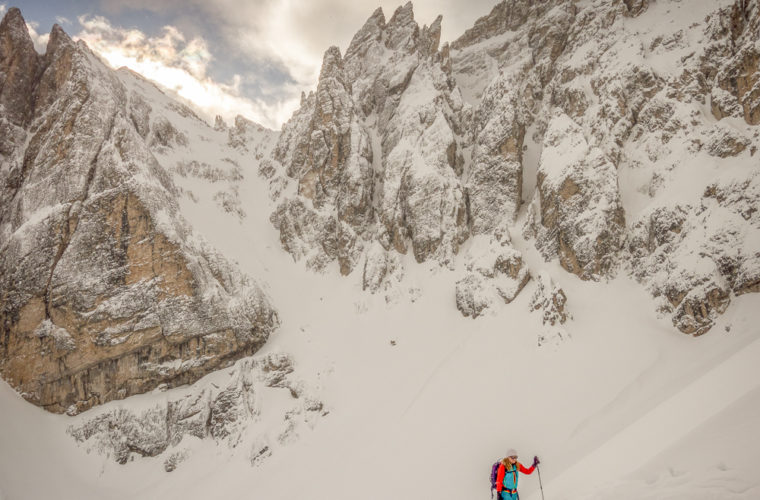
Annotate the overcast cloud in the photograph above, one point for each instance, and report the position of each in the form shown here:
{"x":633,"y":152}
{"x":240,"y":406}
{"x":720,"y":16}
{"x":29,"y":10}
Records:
{"x":179,"y":65}
{"x":40,"y":40}
{"x":233,"y":57}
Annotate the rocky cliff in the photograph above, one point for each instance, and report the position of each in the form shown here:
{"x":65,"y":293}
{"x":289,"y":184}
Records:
{"x":624,"y":124}
{"x":105,"y":290}
{"x":624,"y":102}
{"x":613,"y":137}
{"x":380,"y":160}
{"x":375,"y":153}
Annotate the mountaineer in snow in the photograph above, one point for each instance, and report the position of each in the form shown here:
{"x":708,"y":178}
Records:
{"x":506,"y":477}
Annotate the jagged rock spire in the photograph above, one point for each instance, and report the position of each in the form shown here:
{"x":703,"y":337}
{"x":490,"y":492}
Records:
{"x":19,"y":63}
{"x":402,"y":30}
{"x":58,"y":39}
{"x":430,"y":37}
{"x":368,"y":35}
{"x":331,"y":63}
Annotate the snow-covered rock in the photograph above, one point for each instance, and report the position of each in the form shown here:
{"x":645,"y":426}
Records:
{"x":695,"y":257}
{"x":733,"y":60}
{"x":581,"y":216}
{"x":550,"y":301}
{"x":495,"y":273}
{"x":494,"y":184}
{"x":614,"y":95}
{"x":382,"y":269}
{"x":227,"y":414}
{"x":379,"y":151}
{"x":431,"y":144}
{"x":102,"y":279}
{"x":615,"y":122}
{"x":375,"y":150}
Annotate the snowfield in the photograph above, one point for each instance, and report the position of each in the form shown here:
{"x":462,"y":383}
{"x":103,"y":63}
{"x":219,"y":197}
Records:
{"x":421,"y":400}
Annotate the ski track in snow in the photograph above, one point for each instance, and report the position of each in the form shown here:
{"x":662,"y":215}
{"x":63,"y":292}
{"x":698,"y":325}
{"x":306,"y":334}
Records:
{"x":664,"y":425}
{"x":432,"y":375}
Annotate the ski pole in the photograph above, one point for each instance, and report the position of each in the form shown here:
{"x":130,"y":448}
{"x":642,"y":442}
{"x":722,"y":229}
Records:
{"x":539,"y":481}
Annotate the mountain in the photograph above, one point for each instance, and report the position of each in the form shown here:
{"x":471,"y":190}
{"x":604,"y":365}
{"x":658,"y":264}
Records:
{"x":106,"y":290}
{"x":448,"y":250}
{"x":625,"y":150}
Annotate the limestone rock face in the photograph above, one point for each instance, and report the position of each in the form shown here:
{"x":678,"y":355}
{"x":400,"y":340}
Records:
{"x":602,"y":107}
{"x":19,"y":65}
{"x":228,"y":413}
{"x":693,"y":258}
{"x":592,"y":111}
{"x":105,"y":290}
{"x":581,"y":216}
{"x":507,"y":15}
{"x":733,"y":59}
{"x":376,"y":151}
{"x":494,"y":184}
{"x":377,"y":156}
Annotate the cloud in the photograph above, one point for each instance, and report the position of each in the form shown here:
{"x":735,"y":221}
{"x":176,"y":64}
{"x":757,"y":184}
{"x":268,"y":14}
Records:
{"x":40,"y":41}
{"x":269,"y":50}
{"x":2,"y":9}
{"x":259,"y":34}
{"x":233,"y":57}
{"x":63,"y":21}
{"x":180,"y":65}
{"x":292,"y":36}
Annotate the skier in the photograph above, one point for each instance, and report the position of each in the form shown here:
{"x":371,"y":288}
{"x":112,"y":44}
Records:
{"x":506,"y":479}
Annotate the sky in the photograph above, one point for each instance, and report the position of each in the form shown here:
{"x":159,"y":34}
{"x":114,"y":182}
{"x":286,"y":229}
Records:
{"x":229,"y":57}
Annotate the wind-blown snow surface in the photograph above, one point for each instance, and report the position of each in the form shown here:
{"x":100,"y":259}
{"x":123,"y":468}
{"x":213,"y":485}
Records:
{"x":422,"y":400}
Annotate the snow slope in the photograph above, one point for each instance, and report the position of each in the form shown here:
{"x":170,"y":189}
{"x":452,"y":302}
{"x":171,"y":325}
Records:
{"x":427,"y":416}
{"x":684,"y":415}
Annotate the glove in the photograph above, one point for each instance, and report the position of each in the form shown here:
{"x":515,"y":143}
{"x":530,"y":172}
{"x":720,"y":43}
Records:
{"x":536,"y":461}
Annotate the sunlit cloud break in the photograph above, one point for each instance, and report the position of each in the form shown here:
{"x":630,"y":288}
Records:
{"x":180,"y":66}
{"x":40,"y":41}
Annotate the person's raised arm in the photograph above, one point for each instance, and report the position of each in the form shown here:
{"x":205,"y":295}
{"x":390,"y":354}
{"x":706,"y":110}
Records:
{"x":525,"y":470}
{"x":529,"y":470}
